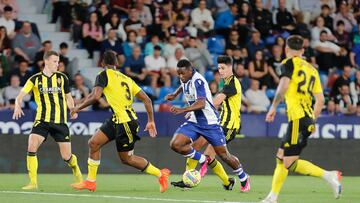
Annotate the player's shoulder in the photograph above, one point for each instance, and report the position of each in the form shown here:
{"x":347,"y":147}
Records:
{"x":198,"y":78}
{"x":34,"y":76}
{"x":62,"y":74}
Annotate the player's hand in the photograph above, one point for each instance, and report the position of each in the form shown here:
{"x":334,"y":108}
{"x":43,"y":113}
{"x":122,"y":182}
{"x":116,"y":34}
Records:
{"x":170,"y":97}
{"x":18,"y":113}
{"x":270,"y":116}
{"x":150,"y":126}
{"x":74,"y":113}
{"x":187,"y":115}
{"x":176,"y":110}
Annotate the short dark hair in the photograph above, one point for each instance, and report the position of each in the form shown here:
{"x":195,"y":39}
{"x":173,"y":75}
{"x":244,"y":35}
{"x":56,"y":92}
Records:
{"x":46,"y":42}
{"x":224,"y":59}
{"x":8,"y":8}
{"x":184,"y":63}
{"x":325,"y":6}
{"x":50,"y":53}
{"x":295,"y":42}
{"x":180,"y":17}
{"x":63,"y":45}
{"x":340,"y":22}
{"x":23,"y":61}
{"x":110,"y":58}
{"x":157,"y":47}
{"x":323,"y":32}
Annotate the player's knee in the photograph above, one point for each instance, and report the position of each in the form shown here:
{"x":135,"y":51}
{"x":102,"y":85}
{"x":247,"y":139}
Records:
{"x":224,"y":156}
{"x":175,"y":145}
{"x":126,"y":160}
{"x":93,"y":144}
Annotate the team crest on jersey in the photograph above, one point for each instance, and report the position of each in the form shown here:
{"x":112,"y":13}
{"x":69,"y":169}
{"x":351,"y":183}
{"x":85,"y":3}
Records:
{"x":311,"y":128}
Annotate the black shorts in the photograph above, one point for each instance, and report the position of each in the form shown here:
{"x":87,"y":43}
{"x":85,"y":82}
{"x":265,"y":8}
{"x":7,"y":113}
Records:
{"x":230,"y":134}
{"x":125,"y":134}
{"x":296,"y":136}
{"x":59,"y":131}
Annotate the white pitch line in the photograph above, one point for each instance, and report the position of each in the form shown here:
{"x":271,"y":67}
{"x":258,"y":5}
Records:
{"x":115,"y":197}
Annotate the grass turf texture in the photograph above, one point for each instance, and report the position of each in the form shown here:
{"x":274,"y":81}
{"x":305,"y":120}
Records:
{"x":144,"y":188}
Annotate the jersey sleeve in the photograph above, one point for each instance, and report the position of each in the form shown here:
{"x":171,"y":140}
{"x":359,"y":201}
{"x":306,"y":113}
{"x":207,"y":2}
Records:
{"x":287,"y":69}
{"x":66,"y":84}
{"x":101,"y":80}
{"x":317,"y":86}
{"x":28,"y":85}
{"x":200,"y":89}
{"x":229,"y":89}
{"x":134,"y":88}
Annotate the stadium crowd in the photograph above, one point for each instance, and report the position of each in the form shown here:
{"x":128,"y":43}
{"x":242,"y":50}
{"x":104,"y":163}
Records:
{"x":151,"y":36}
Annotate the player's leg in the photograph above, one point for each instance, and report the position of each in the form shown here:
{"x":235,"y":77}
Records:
{"x":34,"y":142}
{"x":61,"y":135}
{"x":182,"y":139}
{"x":125,"y":143}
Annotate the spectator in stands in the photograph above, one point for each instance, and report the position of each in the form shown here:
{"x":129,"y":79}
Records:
{"x":202,"y":19}
{"x":355,"y":87}
{"x":5,"y":42}
{"x":343,"y":37}
{"x":274,"y":64}
{"x":284,"y":21}
{"x":242,"y":75}
{"x":309,"y":53}
{"x":39,"y":57}
{"x":238,"y":57}
{"x":79,"y":91}
{"x":104,"y":15}
{"x":345,"y":15}
{"x":156,"y":65}
{"x":23,"y":72}
{"x":318,"y":28}
{"x":144,"y":12}
{"x":74,"y":17}
{"x":8,"y":22}
{"x":257,"y":98}
{"x":232,"y":42}
{"x":133,"y":22}
{"x":10,"y":92}
{"x":171,"y":46}
{"x":172,"y":65}
{"x":122,"y":7}
{"x":161,"y":28}
{"x":344,"y":79}
{"x":115,"y":24}
{"x":262,"y":19}
{"x":11,"y":3}
{"x":245,"y":10}
{"x":149,"y":47}
{"x":243,"y":28}
{"x":259,"y":70}
{"x":64,"y":48}
{"x":310,"y":9}
{"x":198,"y":55}
{"x":135,"y":68}
{"x":345,"y":104}
{"x":112,"y":43}
{"x":331,"y":108}
{"x":213,"y":88}
{"x":327,"y":52}
{"x":179,"y":29}
{"x":62,"y":68}
{"x":326,"y":15}
{"x":130,"y":43}
{"x":301,"y":28}
{"x":2,"y":78}
{"x":26,"y":44}
{"x":255,"y":44}
{"x":224,"y":20}
{"x":92,"y":34}
{"x":57,"y":9}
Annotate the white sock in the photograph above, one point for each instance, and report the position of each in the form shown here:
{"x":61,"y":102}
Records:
{"x":327,"y":175}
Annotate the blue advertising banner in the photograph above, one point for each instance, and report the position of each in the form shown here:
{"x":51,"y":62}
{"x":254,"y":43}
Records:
{"x":327,"y":127}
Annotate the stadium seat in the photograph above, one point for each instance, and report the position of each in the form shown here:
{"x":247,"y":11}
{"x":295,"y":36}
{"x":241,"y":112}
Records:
{"x":162,"y":93}
{"x":216,"y":44}
{"x":209,"y":76}
{"x":270,"y":93}
{"x":148,"y":90}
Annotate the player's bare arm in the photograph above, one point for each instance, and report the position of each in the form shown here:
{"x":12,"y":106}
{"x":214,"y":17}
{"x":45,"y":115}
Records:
{"x":150,"y":126}
{"x":71,"y":104}
{"x":279,"y":96}
{"x":199,"y":104}
{"x":94,"y":96}
{"x":219,"y":98}
{"x":18,"y":112}
{"x":319,"y":104}
{"x":173,"y":95}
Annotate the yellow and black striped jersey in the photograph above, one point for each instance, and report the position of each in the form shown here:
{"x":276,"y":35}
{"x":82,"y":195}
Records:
{"x":49,"y":94}
{"x":119,"y":91}
{"x":304,"y":83}
{"x":230,"y":111}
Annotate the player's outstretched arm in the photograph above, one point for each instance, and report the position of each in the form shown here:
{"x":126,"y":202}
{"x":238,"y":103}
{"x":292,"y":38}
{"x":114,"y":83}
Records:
{"x":219,"y":98}
{"x":150,"y":126}
{"x":94,"y":96}
{"x":18,"y":112}
{"x":199,"y":104}
{"x":173,"y":95}
{"x":319,"y":104}
{"x":71,"y":104}
{"x":279,"y":96}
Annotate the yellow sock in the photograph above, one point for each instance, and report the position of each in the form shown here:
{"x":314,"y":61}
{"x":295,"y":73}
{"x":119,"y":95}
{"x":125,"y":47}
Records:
{"x":152,"y":170}
{"x":32,"y":166}
{"x":72,"y":163}
{"x":218,"y":169}
{"x":191,"y":164}
{"x":279,"y":177}
{"x":93,"y":166}
{"x":307,"y":168}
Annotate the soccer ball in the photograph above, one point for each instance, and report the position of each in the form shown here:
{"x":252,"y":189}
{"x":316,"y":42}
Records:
{"x":191,"y":178}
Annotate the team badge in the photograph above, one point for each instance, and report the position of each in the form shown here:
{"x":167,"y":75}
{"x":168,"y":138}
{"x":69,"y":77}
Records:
{"x":311,"y":128}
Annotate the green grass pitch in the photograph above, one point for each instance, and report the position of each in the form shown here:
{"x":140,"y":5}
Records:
{"x":55,"y":188}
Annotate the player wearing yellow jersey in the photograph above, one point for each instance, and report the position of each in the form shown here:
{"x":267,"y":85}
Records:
{"x":52,"y":96}
{"x":299,"y":83}
{"x":229,"y":99}
{"x":123,"y":127}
